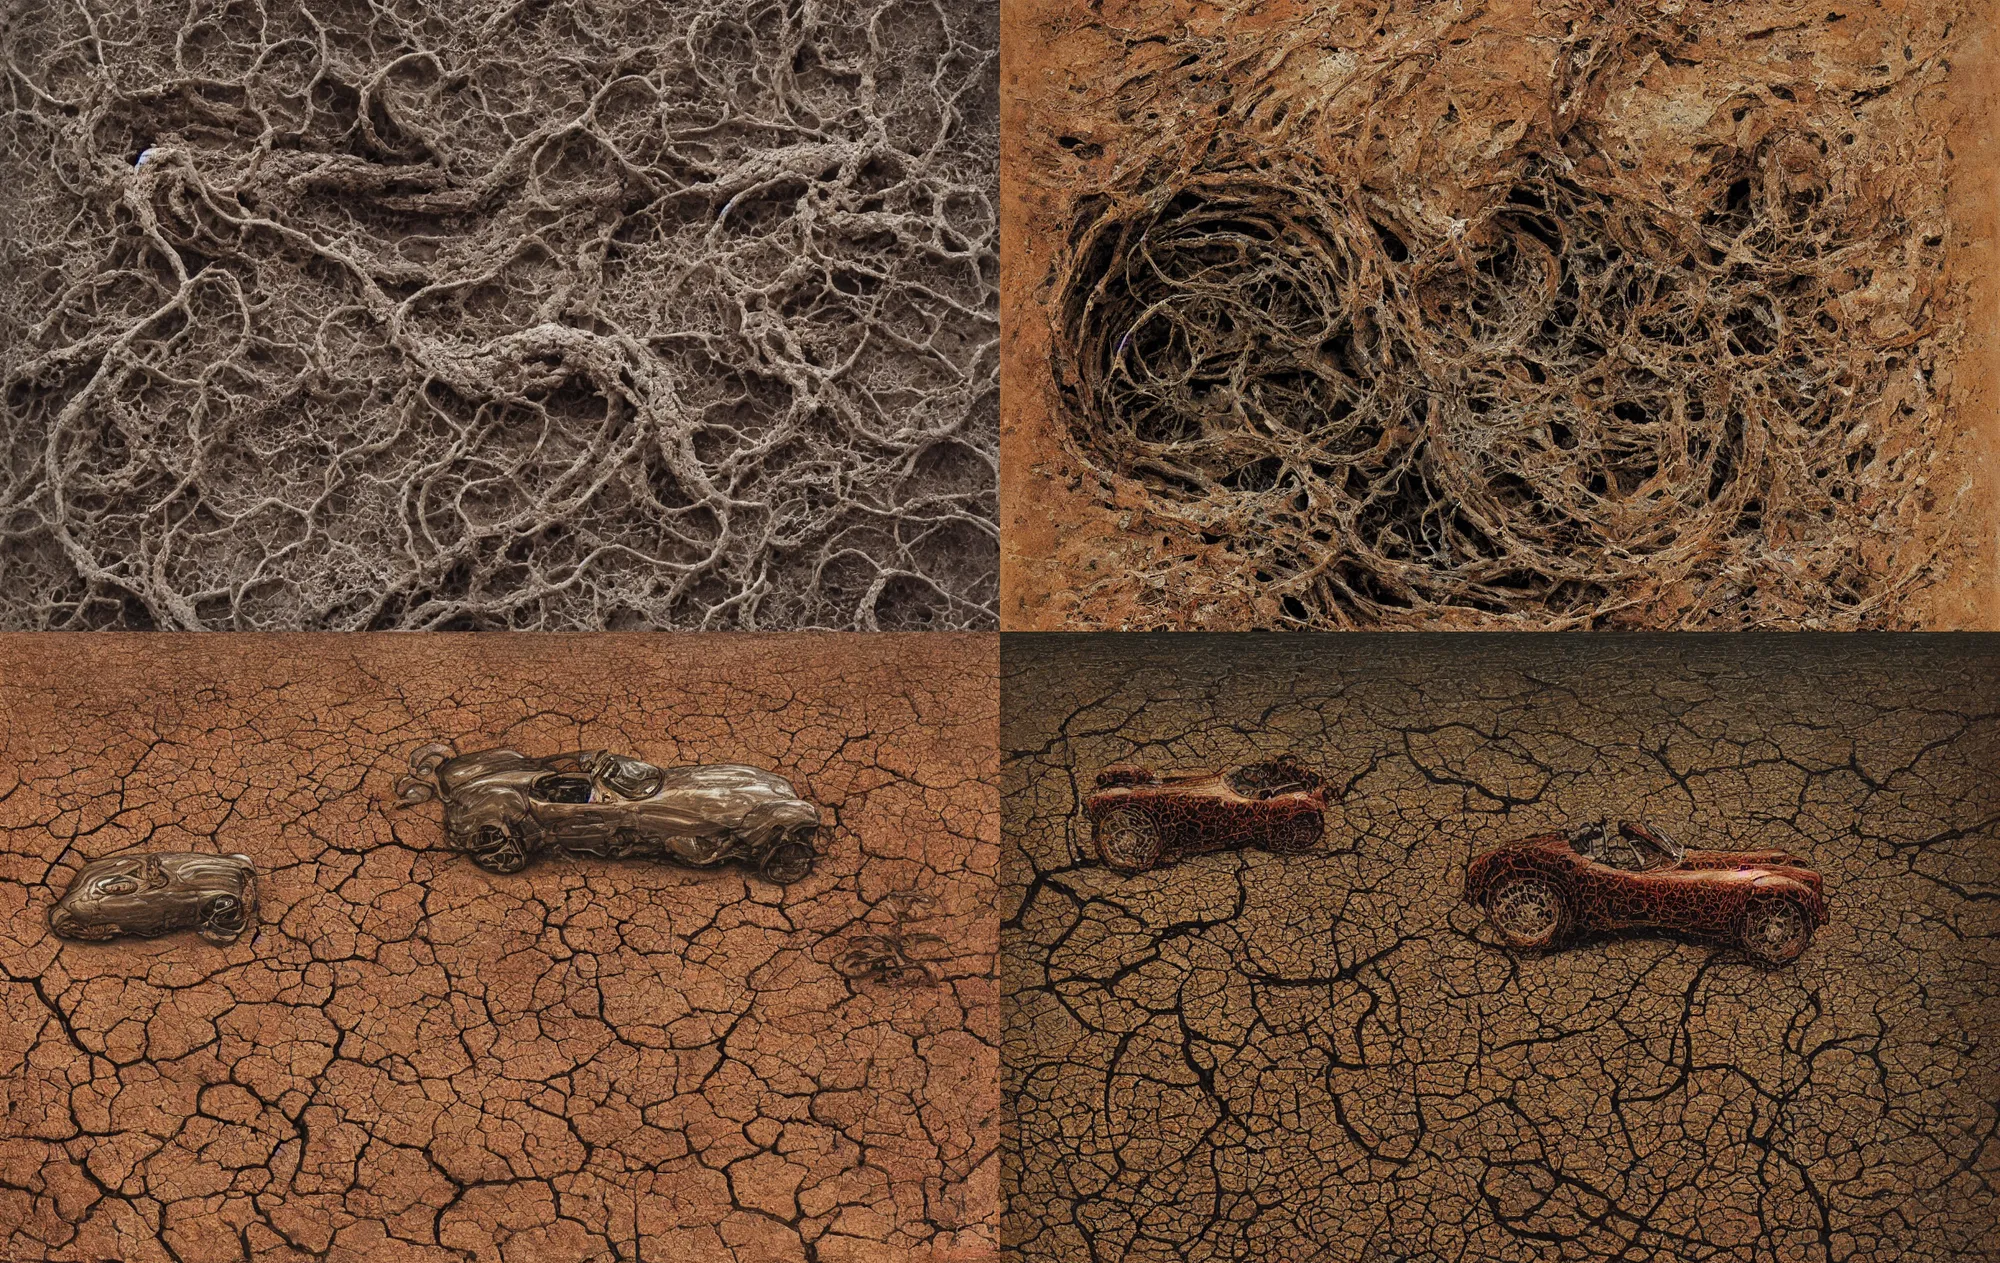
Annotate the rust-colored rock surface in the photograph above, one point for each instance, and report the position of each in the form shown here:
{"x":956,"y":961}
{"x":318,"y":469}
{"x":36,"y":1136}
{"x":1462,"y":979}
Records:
{"x":413,"y":1061}
{"x":1327,"y":1056}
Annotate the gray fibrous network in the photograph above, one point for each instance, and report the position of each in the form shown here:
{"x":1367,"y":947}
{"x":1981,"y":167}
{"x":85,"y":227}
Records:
{"x":1398,"y":365}
{"x":559,"y":316}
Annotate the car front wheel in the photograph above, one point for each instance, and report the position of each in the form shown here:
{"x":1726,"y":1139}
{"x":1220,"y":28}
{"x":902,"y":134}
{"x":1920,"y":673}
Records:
{"x":499,"y":849}
{"x":1128,"y":839}
{"x":790,"y":860}
{"x":1776,"y":930}
{"x":1298,"y":835}
{"x":1526,"y":911}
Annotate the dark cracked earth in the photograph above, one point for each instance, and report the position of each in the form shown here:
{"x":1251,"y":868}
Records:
{"x":1325,"y":1057}
{"x":414,"y":1060}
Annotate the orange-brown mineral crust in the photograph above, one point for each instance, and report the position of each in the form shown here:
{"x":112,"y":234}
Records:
{"x":1327,"y":1057}
{"x":413,"y":1061}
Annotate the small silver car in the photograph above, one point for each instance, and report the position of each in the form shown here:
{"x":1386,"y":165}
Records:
{"x":151,"y":895}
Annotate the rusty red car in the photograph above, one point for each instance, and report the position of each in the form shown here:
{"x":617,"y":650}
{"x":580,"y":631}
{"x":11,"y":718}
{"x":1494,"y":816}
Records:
{"x":1553,"y":887}
{"x":1140,"y":819}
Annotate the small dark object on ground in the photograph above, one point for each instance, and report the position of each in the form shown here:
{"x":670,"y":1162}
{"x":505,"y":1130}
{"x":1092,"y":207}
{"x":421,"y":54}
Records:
{"x":889,"y":957}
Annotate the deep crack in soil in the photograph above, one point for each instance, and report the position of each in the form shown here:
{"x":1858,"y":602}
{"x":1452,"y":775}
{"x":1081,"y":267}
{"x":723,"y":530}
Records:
{"x":1327,"y":1057}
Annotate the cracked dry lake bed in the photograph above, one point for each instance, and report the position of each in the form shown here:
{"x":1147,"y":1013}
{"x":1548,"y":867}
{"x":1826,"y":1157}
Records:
{"x":1325,"y":1057}
{"x":413,"y":1060}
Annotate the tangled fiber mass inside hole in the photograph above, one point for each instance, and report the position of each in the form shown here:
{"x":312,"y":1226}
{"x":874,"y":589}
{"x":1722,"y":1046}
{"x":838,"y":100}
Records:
{"x":1363,"y":370}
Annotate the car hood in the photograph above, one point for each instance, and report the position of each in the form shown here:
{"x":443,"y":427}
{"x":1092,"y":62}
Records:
{"x":1179,"y":782}
{"x":1751,"y":865}
{"x":717,"y":777}
{"x":1198,"y":785}
{"x":1742,"y":859}
{"x":722,"y":795}
{"x":487,"y":765}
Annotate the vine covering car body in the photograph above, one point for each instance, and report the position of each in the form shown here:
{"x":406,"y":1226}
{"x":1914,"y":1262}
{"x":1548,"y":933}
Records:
{"x":1545,"y":889}
{"x":1140,"y":819}
{"x":503,"y":808}
{"x":153,"y":894}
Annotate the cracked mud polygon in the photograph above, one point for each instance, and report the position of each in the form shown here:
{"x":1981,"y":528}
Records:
{"x":1327,"y":1057}
{"x":409,"y":1060}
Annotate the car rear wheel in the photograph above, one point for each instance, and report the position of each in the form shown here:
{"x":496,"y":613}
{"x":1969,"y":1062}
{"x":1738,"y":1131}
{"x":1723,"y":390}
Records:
{"x":1298,"y":835}
{"x":1776,"y":930}
{"x":221,"y":918}
{"x":1526,"y":911}
{"x":1128,"y":839}
{"x":790,"y":860}
{"x":499,"y":849}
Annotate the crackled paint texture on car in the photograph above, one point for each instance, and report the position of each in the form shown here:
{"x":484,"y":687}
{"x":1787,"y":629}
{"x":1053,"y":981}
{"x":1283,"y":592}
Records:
{"x":1192,"y":813}
{"x":1324,"y":1057}
{"x":1703,"y":892}
{"x":413,"y":1061}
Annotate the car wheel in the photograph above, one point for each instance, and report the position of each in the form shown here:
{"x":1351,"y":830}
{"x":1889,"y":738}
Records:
{"x":1128,"y":839}
{"x":790,"y":860}
{"x":1526,"y":911}
{"x":498,"y":849}
{"x":221,"y":919}
{"x":1776,"y":930}
{"x":1298,"y":835}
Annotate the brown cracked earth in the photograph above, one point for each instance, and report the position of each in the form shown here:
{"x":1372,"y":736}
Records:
{"x":1326,"y":1057}
{"x":413,"y":1060}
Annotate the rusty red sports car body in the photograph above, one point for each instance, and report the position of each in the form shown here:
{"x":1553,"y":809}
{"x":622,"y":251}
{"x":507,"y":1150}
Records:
{"x":1140,"y":819}
{"x":1541,"y":890}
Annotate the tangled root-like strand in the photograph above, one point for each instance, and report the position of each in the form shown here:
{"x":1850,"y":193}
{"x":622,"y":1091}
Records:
{"x":505,"y":315}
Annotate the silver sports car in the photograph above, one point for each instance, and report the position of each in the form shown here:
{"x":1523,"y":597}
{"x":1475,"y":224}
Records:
{"x":504,"y":808}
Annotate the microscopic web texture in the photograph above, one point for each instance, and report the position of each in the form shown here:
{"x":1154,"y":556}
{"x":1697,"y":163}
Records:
{"x":614,"y":314}
{"x":1329,"y":1057}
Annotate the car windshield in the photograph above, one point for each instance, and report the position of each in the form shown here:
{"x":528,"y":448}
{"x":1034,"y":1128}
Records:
{"x":632,"y":778}
{"x":1639,"y":849}
{"x":148,"y":874}
{"x":1651,"y":856}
